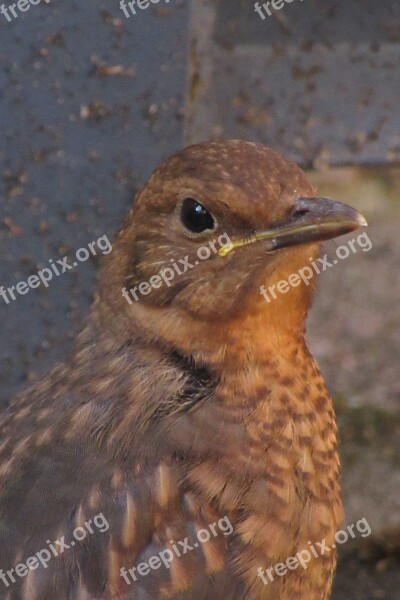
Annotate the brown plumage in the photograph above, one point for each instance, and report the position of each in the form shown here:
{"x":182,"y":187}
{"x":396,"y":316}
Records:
{"x":196,"y":403}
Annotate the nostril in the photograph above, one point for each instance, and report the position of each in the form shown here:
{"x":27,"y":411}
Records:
{"x":300,"y":212}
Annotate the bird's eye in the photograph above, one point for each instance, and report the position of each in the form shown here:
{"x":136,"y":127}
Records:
{"x":195,"y":217}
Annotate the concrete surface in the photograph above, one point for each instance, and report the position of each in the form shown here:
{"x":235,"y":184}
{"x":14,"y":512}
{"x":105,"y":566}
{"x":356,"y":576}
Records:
{"x":316,"y":80}
{"x":90,"y":102}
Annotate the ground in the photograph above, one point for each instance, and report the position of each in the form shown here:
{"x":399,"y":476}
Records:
{"x":354,"y":331}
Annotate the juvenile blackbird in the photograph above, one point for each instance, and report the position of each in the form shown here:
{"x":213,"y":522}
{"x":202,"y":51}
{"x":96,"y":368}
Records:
{"x":191,"y":420}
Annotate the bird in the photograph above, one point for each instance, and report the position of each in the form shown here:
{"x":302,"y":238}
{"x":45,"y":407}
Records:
{"x":188,"y":441}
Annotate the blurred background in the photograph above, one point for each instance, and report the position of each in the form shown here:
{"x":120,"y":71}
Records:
{"x":91,"y":101}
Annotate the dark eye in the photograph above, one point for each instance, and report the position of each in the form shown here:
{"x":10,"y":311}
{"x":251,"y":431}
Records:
{"x":195,"y":217}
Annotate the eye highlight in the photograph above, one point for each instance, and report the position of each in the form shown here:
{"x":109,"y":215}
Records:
{"x":195,"y":217}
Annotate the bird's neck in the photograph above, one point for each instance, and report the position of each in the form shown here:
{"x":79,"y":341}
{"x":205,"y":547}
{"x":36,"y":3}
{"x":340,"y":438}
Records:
{"x":145,"y":384}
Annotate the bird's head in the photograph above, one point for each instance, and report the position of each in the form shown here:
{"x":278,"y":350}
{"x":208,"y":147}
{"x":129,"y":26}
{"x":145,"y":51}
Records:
{"x":213,"y":224}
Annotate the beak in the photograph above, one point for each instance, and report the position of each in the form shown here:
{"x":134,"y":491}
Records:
{"x":311,"y":220}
